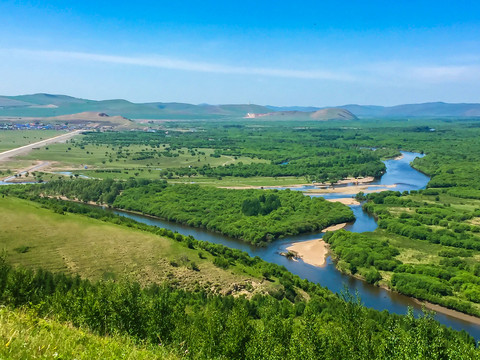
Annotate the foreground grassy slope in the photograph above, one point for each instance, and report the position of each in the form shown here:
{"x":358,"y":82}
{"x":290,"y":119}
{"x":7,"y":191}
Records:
{"x":198,"y":325}
{"x":24,"y":335}
{"x":35,"y":237}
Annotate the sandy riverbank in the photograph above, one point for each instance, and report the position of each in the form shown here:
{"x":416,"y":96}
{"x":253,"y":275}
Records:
{"x":453,"y":313}
{"x":356,"y":181}
{"x":314,"y":252}
{"x":345,"y":201}
{"x":350,"y":180}
{"x":354,"y":189}
{"x":335,"y":227}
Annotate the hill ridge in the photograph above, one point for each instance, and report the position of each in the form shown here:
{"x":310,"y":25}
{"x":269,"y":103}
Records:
{"x":49,"y":105}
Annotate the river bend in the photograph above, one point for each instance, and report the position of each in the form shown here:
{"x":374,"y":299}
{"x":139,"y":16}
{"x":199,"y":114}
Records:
{"x":398,"y":173}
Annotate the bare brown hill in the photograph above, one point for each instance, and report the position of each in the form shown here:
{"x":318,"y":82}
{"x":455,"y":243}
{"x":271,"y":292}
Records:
{"x":92,"y":117}
{"x":321,"y":115}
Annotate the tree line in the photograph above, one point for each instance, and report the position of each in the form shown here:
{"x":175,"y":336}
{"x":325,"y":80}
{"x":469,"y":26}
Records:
{"x":256,"y":216}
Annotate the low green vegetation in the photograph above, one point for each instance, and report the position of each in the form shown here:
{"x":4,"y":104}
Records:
{"x":145,"y":159}
{"x":199,"y":325}
{"x":361,"y":251}
{"x":211,"y":151}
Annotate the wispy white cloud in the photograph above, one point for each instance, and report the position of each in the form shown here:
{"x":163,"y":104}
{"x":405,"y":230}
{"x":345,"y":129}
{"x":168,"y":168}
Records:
{"x":409,"y":73}
{"x":163,"y":62}
{"x":391,"y":73}
{"x":446,"y":73}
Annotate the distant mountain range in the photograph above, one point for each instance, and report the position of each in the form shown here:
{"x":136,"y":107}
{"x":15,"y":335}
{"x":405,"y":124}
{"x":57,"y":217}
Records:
{"x":432,"y":109}
{"x":48,"y":105}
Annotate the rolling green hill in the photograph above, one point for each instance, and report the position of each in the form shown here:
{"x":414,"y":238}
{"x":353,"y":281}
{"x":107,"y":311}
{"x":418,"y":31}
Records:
{"x":47,"y":105}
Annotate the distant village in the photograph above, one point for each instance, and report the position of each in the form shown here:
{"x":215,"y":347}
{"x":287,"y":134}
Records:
{"x":65,"y":126}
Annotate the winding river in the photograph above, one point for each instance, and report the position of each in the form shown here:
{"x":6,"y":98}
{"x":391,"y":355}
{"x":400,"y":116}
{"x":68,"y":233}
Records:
{"x":398,"y":173}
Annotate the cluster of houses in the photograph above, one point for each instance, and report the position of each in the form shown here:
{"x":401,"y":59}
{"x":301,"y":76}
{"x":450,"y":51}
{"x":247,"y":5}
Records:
{"x":41,"y":126}
{"x":37,"y":126}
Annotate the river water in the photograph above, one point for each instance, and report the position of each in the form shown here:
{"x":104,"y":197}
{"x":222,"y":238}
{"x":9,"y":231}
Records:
{"x":399,"y":173}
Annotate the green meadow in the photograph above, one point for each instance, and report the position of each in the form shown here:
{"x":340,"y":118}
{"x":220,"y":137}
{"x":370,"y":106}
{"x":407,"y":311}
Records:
{"x":135,"y":157}
{"x":11,"y":139}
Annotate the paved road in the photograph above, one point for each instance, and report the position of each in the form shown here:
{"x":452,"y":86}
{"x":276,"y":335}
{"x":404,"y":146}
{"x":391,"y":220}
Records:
{"x":26,"y":148}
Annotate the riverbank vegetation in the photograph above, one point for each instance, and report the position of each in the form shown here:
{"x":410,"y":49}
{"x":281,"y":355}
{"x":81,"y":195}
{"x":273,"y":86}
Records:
{"x":255,"y":216}
{"x":428,"y":241}
{"x":451,"y":274}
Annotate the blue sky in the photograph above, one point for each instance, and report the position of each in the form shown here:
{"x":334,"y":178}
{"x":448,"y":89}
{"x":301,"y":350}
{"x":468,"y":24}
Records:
{"x":316,"y":53}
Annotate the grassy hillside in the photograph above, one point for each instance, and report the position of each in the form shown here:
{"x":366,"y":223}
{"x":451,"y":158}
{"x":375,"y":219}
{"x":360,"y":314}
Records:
{"x":35,"y":237}
{"x":25,"y":335}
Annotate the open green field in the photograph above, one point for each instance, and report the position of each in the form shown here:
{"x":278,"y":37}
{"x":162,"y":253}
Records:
{"x":231,"y":155}
{"x":11,"y":139}
{"x":105,"y":157}
{"x":35,"y":237}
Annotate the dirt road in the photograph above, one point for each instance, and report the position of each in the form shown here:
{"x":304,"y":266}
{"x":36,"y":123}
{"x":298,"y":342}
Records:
{"x":26,"y":148}
{"x":30,"y":169}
